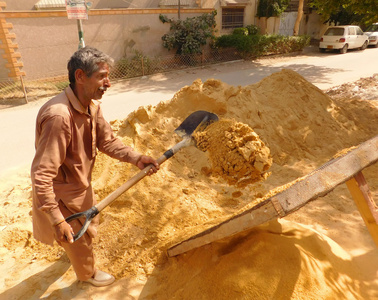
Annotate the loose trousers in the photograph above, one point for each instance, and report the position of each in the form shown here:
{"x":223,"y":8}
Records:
{"x":80,"y":253}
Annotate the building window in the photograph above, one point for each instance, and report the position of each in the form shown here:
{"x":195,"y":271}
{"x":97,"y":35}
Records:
{"x":232,"y":17}
{"x":50,"y":5}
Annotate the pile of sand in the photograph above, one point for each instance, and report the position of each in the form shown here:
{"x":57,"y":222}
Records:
{"x":235,"y":151}
{"x":298,"y":128}
{"x":280,"y":260}
{"x":301,"y":126}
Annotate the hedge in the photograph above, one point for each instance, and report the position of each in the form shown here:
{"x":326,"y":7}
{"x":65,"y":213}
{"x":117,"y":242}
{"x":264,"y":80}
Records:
{"x":260,"y":45}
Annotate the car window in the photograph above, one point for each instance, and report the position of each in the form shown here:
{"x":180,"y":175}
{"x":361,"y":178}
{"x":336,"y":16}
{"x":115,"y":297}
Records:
{"x":334,"y":31}
{"x":359,"y":31}
{"x":352,"y":31}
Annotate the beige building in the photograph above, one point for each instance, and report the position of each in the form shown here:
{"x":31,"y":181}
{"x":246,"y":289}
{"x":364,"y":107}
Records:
{"x":37,"y":38}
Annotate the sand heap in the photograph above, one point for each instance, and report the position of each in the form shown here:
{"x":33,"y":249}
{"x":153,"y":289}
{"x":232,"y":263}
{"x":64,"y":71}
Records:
{"x":236,"y":152}
{"x":303,"y":128}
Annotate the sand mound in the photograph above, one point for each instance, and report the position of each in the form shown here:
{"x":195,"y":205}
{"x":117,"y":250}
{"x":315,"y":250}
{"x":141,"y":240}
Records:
{"x":280,"y":260}
{"x":302,"y":127}
{"x":236,"y":152}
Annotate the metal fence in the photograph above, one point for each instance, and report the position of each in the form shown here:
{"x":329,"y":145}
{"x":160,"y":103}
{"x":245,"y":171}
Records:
{"x":139,"y":65}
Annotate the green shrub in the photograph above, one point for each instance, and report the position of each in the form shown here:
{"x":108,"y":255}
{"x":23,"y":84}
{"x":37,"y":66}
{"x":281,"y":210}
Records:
{"x":187,"y":36}
{"x":240,"y":31}
{"x":231,"y":41}
{"x":252,"y":29}
{"x":260,"y":45}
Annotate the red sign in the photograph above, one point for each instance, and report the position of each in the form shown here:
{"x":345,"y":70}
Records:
{"x":76,"y":9}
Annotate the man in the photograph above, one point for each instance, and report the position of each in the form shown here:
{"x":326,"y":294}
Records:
{"x":69,"y":129}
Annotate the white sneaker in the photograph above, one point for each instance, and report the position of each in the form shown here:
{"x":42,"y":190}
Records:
{"x":101,"y":278}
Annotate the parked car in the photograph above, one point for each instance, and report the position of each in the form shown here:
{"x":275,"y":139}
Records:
{"x":372,"y":33}
{"x":342,"y":38}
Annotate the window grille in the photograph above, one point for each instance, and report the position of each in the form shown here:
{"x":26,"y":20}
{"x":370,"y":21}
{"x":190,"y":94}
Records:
{"x":232,"y":17}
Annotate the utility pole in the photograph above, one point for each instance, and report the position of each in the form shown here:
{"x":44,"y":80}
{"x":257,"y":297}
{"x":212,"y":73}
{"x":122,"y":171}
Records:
{"x":81,"y":33}
{"x":179,"y":9}
{"x":78,"y":9}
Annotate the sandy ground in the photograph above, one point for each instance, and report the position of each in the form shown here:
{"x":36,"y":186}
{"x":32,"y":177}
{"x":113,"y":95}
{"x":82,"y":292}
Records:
{"x":322,"y":251}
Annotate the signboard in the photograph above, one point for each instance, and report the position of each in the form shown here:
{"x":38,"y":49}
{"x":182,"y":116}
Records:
{"x":76,"y":9}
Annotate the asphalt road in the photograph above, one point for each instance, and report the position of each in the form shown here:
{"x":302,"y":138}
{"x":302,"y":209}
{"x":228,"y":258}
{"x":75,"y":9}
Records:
{"x":326,"y":70}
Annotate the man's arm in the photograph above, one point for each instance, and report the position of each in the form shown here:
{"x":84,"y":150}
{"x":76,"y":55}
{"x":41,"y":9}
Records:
{"x":112,"y":146}
{"x":51,"y":148}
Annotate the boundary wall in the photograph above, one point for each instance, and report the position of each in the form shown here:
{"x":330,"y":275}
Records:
{"x":41,"y":42}
{"x":38,"y":43}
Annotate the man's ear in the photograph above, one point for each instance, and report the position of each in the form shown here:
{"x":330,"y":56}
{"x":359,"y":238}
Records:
{"x":79,"y":76}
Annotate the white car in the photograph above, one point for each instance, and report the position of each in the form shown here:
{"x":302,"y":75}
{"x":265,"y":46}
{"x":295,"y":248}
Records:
{"x":372,"y":33}
{"x":342,"y":38}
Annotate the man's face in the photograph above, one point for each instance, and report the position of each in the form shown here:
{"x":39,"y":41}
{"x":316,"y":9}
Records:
{"x":96,"y":85}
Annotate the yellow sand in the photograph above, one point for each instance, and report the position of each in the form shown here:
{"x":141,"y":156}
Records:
{"x":236,"y":152}
{"x":302,"y":127}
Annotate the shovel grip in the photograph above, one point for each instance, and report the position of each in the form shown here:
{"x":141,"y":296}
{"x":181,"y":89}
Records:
{"x":88,"y":215}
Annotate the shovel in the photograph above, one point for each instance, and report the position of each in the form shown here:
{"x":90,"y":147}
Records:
{"x":197,"y":121}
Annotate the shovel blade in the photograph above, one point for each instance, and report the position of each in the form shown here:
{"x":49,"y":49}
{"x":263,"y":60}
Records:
{"x":196,"y":121}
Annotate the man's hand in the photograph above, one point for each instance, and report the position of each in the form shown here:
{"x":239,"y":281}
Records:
{"x":64,"y":233}
{"x":145,"y":160}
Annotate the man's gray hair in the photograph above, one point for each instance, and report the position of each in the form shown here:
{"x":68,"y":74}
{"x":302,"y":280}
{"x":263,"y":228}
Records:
{"x":86,"y":59}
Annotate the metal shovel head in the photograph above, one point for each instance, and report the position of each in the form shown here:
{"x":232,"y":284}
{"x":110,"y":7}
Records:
{"x":196,"y":121}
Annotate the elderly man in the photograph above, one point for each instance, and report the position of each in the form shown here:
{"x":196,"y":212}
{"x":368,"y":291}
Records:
{"x":69,"y":129}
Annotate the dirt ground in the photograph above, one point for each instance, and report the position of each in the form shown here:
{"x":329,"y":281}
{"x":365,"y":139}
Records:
{"x":322,"y":251}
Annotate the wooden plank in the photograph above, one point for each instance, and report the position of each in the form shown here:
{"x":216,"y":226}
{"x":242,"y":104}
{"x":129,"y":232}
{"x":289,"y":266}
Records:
{"x":316,"y":184}
{"x":360,"y":192}
{"x":24,"y":90}
{"x":327,"y":177}
{"x":259,"y":214}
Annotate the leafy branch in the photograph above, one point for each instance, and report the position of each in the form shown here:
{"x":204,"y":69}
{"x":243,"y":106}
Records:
{"x":187,"y":36}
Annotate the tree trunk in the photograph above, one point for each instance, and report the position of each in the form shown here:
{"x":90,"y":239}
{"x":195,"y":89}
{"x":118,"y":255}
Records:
{"x":299,"y":18}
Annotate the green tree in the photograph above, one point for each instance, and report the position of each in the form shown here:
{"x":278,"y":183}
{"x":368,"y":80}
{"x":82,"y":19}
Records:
{"x":187,"y":36}
{"x":271,"y":8}
{"x":343,"y":12}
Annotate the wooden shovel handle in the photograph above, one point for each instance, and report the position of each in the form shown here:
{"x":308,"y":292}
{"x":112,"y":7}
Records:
{"x":94,"y":210}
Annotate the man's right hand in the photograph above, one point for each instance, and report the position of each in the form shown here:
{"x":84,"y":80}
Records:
{"x":145,"y":160}
{"x":64,"y":233}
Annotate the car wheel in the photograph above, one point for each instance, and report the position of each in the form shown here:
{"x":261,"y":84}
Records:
{"x":322,"y":50}
{"x":344,"y":49}
{"x":376,"y":45}
{"x":364,"y":46}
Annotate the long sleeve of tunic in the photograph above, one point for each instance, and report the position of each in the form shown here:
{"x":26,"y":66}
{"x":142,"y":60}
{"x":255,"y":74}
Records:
{"x":67,"y":138}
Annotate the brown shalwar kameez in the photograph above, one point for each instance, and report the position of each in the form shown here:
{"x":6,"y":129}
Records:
{"x":67,"y":136}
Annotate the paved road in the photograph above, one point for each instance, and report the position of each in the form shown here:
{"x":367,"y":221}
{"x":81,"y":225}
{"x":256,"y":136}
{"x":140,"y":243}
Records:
{"x":323,"y":70}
